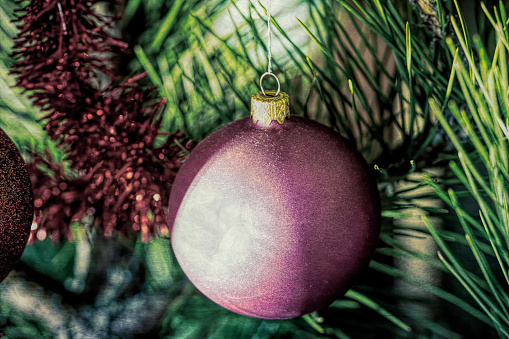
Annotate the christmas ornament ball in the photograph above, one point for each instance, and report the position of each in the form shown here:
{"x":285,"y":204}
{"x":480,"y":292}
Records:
{"x":274,"y":220}
{"x":16,"y":205}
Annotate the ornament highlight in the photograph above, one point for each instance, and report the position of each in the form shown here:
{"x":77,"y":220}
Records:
{"x":274,"y":219}
{"x":16,"y":205}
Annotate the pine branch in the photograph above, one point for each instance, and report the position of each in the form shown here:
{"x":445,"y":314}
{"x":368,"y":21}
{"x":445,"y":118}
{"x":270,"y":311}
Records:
{"x":484,"y":84}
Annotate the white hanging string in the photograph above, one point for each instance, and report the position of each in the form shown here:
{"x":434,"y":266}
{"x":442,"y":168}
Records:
{"x":269,"y":50}
{"x":269,"y":35}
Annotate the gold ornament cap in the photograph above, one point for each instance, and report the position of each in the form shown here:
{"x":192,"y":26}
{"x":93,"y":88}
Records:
{"x":268,"y":106}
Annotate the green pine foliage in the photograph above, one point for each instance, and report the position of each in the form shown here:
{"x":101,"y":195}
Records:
{"x":423,"y":100}
{"x":481,"y":167}
{"x":17,"y":117}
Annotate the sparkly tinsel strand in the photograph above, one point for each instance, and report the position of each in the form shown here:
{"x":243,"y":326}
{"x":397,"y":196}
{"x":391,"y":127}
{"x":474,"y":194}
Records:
{"x":108,"y":130}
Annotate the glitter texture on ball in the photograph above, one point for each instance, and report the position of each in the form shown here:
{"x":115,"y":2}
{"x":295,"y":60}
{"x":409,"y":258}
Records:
{"x":274,"y":221}
{"x":16,"y":205}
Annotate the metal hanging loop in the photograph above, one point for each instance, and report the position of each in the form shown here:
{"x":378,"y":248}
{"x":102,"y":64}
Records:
{"x":278,"y":84}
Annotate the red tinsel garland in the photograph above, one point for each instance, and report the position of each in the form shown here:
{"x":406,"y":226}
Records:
{"x":65,"y":56}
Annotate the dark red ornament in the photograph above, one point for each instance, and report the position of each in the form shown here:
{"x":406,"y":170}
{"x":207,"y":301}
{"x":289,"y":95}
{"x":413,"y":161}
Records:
{"x":16,"y":205}
{"x":274,"y":220}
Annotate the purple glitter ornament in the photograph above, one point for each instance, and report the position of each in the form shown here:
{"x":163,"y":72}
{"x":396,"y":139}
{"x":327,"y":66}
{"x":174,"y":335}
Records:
{"x":16,"y":205}
{"x":274,"y":220}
